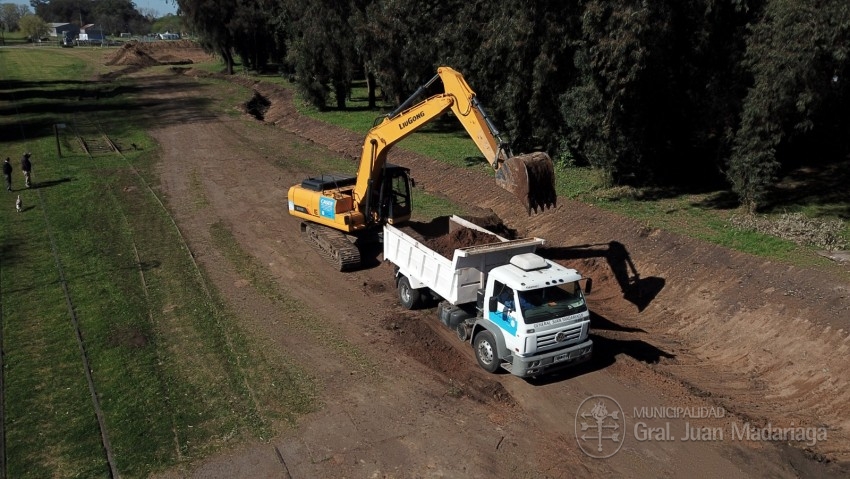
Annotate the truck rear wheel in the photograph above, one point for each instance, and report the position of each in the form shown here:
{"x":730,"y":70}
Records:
{"x":486,"y":351}
{"x":462,"y":331}
{"x":408,"y":296}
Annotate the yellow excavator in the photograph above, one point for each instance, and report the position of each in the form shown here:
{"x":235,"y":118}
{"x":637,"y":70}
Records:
{"x":338,"y":209}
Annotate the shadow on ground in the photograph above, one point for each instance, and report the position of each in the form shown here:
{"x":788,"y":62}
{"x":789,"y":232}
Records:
{"x":638,"y":291}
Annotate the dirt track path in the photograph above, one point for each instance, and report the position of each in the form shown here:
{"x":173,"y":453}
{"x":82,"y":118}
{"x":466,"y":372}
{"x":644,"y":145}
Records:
{"x":398,"y":415}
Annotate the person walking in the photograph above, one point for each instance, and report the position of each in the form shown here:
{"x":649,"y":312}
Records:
{"x":26,"y":167}
{"x":7,"y":173}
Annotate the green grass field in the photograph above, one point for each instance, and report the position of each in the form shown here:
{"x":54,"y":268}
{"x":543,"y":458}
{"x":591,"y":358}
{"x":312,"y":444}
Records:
{"x":175,"y":377}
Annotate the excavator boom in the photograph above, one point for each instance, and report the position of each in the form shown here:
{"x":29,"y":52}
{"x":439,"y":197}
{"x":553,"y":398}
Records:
{"x":529,"y":177}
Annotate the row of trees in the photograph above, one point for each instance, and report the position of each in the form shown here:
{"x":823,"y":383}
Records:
{"x":674,"y":92}
{"x":10,"y":16}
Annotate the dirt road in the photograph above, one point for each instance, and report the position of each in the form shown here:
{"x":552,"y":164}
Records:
{"x":697,"y":331}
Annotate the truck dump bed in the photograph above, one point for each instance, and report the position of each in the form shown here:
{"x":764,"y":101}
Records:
{"x":456,"y":280}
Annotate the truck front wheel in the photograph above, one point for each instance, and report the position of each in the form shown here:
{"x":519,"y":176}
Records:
{"x":408,"y":296}
{"x":486,"y":351}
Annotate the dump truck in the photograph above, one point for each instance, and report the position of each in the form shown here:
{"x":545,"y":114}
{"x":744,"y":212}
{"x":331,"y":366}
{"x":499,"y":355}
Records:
{"x":519,"y":311}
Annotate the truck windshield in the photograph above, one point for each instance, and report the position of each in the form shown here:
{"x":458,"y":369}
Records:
{"x":552,"y":302}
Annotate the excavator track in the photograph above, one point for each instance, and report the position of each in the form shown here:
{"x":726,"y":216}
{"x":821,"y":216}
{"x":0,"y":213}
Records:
{"x":333,"y":245}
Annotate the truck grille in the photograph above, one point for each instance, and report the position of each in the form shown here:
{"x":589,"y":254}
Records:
{"x":548,"y":340}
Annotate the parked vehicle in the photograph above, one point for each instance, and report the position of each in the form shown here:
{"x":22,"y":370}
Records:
{"x":67,"y":40}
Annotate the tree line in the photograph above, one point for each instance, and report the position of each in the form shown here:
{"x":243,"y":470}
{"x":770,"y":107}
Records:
{"x":685,"y":93}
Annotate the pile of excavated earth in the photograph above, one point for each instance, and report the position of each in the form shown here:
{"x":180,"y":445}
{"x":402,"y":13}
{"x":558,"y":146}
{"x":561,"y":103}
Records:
{"x":146,"y":54}
{"x":444,"y":239}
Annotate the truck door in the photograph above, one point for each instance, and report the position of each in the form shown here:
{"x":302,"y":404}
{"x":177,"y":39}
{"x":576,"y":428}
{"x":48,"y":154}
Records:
{"x":505,"y":316}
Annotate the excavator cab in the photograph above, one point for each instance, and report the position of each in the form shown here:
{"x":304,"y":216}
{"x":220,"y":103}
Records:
{"x":390,"y":202}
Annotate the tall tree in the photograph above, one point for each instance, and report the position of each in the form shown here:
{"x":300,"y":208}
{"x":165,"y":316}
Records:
{"x":523,"y":64}
{"x":252,"y":31}
{"x":611,"y":56}
{"x":64,"y":11}
{"x":33,"y":27}
{"x":209,"y":19}
{"x":322,"y":51}
{"x":115,"y":16}
{"x":702,"y":99}
{"x":798,"y":57}
{"x":11,"y":14}
{"x":400,"y":42}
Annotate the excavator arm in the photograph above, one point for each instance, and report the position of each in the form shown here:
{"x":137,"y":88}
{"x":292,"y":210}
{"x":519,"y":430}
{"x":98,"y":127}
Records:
{"x":338,"y":210}
{"x":530,"y":177}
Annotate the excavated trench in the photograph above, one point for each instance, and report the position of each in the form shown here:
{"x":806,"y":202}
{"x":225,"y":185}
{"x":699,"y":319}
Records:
{"x":257,"y":106}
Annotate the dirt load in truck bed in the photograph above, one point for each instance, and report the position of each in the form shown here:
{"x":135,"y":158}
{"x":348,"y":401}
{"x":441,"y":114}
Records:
{"x":444,"y":237}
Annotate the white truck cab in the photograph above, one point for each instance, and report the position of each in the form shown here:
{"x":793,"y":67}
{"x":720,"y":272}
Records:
{"x":536,"y":317}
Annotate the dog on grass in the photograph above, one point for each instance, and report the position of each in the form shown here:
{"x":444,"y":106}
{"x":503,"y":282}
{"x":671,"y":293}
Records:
{"x":19,"y":205}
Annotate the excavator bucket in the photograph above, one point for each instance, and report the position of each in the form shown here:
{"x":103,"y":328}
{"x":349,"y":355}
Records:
{"x":531,"y":178}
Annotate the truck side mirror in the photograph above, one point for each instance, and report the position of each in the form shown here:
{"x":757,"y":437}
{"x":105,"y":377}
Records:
{"x":588,"y":285}
{"x":493,"y":303}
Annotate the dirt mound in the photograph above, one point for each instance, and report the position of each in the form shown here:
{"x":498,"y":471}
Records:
{"x":146,"y":54}
{"x":132,"y":54}
{"x":170,"y":45}
{"x":491,"y":222}
{"x":173,"y":60}
{"x":419,"y":341}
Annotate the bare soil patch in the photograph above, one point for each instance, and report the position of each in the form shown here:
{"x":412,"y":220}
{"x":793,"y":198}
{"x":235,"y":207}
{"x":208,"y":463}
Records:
{"x":460,"y":238}
{"x":421,"y":341}
{"x":129,"y":337}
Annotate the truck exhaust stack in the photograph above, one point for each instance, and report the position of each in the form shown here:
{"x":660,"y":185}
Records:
{"x":531,"y":178}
